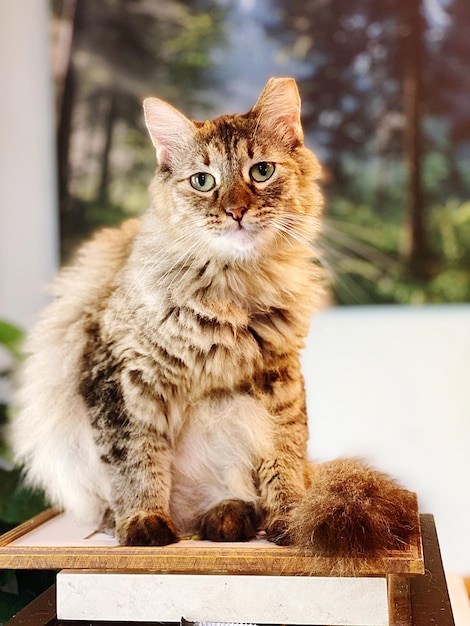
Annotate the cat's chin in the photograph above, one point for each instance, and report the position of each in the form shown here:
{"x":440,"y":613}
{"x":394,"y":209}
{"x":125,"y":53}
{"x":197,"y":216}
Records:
{"x":240,"y":245}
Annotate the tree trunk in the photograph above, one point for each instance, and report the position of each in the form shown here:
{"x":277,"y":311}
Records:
{"x":418,"y":249}
{"x":64,"y":130}
{"x":65,"y":80}
{"x":103,"y":192}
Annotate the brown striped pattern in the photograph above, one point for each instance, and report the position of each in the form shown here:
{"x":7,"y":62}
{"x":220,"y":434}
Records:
{"x":163,"y":393}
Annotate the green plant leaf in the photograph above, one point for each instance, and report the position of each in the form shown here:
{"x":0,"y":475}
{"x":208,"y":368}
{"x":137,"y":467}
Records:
{"x":8,"y":485}
{"x":11,"y":337}
{"x":24,"y":504}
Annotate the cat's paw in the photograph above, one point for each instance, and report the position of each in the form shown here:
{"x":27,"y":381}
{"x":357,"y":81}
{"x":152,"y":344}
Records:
{"x":352,"y":510}
{"x":145,"y":529}
{"x":230,"y":520}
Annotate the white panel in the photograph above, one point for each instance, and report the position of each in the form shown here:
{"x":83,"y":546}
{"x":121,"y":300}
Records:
{"x":28,"y":212}
{"x":111,"y":596}
{"x":392,"y":384}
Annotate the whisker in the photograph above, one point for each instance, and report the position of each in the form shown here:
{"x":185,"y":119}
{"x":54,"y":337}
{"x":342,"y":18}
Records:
{"x":283,"y":233}
{"x":187,"y":267}
{"x":357,"y":246}
{"x":344,"y":282}
{"x":286,"y":228}
{"x":150,"y":265}
{"x":344,"y":255}
{"x":292,"y":231}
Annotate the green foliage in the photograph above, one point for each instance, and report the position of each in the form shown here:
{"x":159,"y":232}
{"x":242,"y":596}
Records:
{"x":367,"y":255}
{"x":17,"y":503}
{"x":11,"y":338}
{"x":126,"y":51}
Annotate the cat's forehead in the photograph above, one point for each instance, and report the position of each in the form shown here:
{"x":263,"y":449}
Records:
{"x":226,"y":132}
{"x":225,"y":126}
{"x":232,"y":137}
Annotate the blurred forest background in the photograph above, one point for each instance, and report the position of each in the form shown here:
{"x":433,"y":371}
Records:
{"x":386,"y":106}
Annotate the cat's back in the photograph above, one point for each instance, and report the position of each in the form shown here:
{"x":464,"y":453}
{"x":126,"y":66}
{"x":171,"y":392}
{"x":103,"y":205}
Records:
{"x":50,"y":410}
{"x":97,"y":263}
{"x":79,"y":290}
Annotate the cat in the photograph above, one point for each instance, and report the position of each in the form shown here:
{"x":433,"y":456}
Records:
{"x":163,"y":395}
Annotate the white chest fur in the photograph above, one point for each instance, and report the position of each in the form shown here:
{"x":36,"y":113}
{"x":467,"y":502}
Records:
{"x":216,"y":455}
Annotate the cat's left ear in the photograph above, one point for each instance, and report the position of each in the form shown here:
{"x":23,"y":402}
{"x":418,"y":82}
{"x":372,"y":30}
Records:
{"x":170,"y":131}
{"x":278,"y":108}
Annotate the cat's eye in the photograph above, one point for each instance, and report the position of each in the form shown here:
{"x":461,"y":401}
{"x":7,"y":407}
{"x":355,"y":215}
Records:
{"x":202,"y":181}
{"x":260,"y":172}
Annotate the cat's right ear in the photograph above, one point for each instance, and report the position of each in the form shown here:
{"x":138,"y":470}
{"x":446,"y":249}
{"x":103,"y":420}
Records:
{"x":169,"y":130}
{"x":278,"y":109}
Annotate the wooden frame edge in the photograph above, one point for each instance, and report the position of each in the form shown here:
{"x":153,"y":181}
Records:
{"x":184,"y":558}
{"x":27,"y":526}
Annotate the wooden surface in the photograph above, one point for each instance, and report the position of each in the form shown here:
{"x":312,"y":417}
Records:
{"x":23,"y":529}
{"x":399,"y":600}
{"x":429,"y":603}
{"x":20,"y":550}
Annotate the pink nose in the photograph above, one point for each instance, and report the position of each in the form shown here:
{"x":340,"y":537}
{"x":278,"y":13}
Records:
{"x":237,"y":212}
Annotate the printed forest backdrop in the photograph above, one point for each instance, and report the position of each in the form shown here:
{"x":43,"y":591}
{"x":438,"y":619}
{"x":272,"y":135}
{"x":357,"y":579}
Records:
{"x":386,"y":105}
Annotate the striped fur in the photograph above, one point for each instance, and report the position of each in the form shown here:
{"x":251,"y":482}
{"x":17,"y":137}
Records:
{"x":163,"y":392}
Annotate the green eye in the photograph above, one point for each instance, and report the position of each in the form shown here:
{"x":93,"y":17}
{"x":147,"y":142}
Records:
{"x":260,"y":172}
{"x":202,"y":181}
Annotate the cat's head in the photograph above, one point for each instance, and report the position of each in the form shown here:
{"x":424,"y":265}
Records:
{"x":239,"y":184}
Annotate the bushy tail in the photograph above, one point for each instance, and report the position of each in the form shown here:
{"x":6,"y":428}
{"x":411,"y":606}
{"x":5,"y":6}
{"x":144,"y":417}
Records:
{"x":351,"y":510}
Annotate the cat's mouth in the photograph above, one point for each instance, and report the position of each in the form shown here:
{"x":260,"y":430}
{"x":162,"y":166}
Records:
{"x":248,"y":224}
{"x":243,"y":229}
{"x":243,"y":237}
{"x":235,"y":225}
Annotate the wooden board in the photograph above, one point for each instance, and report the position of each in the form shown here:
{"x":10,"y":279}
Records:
{"x":54,"y":540}
{"x":426,"y":594}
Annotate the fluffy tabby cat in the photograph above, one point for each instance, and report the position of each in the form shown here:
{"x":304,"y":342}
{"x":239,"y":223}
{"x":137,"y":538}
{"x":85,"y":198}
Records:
{"x":163,"y":392}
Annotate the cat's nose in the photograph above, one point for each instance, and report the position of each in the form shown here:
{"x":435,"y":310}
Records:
{"x":236,"y":212}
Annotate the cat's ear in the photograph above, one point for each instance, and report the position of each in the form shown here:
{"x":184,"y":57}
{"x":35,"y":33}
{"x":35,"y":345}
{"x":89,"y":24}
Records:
{"x":170,"y":131}
{"x":278,"y":108}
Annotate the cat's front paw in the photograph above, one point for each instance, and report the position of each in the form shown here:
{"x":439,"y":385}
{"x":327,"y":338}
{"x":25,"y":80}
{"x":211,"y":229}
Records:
{"x":145,"y":529}
{"x":230,"y":520}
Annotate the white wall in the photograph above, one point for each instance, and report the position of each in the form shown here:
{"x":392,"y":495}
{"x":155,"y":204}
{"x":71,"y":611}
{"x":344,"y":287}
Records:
{"x":392,"y":384}
{"x":28,"y":222}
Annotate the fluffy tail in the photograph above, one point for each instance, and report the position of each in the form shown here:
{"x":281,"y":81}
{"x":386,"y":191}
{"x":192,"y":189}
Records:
{"x":351,"y":510}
